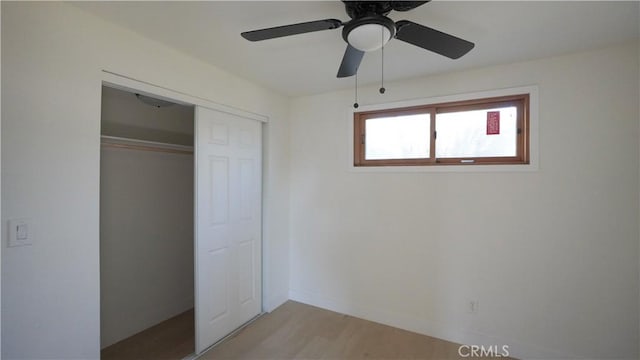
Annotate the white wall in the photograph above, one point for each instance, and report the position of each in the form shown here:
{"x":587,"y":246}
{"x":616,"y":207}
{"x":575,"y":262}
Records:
{"x":146,"y":218}
{"x":1,"y":246}
{"x":551,"y":255}
{"x":52,"y":57}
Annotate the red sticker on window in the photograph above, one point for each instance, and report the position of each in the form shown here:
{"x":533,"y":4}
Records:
{"x":493,"y":123}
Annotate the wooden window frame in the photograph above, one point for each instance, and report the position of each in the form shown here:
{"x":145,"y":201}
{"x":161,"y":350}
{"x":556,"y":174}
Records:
{"x":520,"y":101}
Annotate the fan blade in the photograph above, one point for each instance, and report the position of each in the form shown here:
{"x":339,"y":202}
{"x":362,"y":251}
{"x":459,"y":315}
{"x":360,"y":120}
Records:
{"x":432,"y":40}
{"x":406,"y":5}
{"x":294,"y":29}
{"x":350,"y":62}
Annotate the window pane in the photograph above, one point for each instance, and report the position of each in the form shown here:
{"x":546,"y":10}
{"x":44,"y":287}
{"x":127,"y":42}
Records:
{"x":465,"y":133}
{"x":398,"y":137}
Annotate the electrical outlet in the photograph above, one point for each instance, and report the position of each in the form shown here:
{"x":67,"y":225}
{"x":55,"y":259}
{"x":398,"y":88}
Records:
{"x":472,"y":306}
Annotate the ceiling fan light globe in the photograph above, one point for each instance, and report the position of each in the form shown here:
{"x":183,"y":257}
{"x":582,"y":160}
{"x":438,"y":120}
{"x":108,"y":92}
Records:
{"x":369,"y":37}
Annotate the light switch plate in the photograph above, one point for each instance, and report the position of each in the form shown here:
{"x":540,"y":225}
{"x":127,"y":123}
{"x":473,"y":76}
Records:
{"x":20,"y":232}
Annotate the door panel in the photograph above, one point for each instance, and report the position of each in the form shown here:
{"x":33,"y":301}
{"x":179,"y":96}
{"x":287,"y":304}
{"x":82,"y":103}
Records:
{"x":228,"y":155}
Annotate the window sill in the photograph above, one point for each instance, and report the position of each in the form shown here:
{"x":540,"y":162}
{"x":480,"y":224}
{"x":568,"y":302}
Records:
{"x":445,"y":169}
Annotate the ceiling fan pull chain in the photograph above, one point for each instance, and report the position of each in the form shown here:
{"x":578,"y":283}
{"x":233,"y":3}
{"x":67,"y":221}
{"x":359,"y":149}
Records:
{"x":382,"y":89}
{"x":355,"y":104}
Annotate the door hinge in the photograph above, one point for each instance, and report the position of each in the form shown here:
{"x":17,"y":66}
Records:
{"x":362,"y":139}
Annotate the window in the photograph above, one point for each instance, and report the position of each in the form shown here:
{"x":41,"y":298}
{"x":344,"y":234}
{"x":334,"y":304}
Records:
{"x":481,"y":131}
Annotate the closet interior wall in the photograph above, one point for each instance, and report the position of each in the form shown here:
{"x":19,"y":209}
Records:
{"x":146,"y":214}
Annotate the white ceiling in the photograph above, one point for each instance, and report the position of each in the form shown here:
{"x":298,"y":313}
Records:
{"x":503,"y":32}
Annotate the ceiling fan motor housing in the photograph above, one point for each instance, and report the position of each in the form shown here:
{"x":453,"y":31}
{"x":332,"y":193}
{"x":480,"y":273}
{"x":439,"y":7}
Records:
{"x":357,"y":9}
{"x":369,"y":32}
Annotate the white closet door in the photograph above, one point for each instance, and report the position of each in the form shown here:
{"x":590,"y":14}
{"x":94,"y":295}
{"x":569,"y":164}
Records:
{"x":228,"y":216}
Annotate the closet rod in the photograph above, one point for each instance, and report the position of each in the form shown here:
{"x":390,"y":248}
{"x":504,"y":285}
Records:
{"x":144,"y":145}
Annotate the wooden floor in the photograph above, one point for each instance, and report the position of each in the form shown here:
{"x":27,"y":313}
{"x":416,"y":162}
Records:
{"x":292,"y":331}
{"x":299,"y":331}
{"x":171,"y":339}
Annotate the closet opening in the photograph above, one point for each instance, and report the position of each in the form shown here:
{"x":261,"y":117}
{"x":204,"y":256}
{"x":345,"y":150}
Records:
{"x":146,"y":227}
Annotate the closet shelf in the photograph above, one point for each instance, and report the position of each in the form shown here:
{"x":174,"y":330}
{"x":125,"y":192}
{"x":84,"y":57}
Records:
{"x":144,"y":145}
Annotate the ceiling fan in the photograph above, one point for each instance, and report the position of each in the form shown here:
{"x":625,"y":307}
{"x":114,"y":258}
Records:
{"x":370,"y":29}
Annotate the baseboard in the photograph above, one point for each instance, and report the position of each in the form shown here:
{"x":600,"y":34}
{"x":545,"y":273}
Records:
{"x":517,"y":349}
